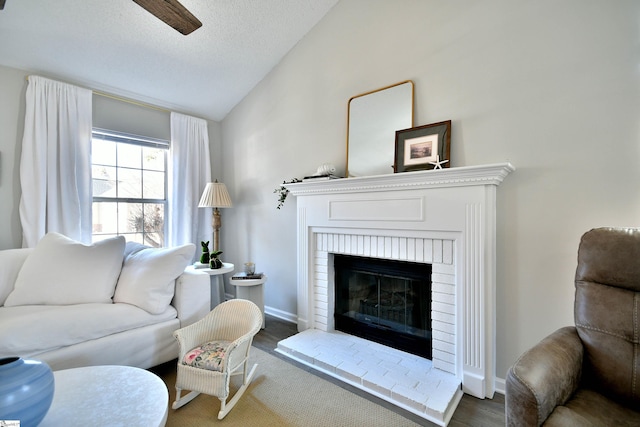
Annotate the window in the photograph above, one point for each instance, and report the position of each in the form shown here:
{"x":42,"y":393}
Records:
{"x":129,"y":187}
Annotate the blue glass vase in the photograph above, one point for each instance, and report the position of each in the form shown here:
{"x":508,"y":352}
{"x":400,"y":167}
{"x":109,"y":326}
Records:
{"x":26,"y":390}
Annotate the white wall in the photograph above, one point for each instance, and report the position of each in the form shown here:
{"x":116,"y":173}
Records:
{"x":550,"y":86}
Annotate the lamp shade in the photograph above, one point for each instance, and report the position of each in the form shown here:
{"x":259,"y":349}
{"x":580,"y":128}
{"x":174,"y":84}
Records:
{"x":215,"y":195}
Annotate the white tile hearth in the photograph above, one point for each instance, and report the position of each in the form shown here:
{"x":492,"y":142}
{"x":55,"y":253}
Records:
{"x":408,"y":381}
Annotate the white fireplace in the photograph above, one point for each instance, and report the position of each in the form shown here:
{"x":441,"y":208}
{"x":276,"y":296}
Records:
{"x":442,"y":217}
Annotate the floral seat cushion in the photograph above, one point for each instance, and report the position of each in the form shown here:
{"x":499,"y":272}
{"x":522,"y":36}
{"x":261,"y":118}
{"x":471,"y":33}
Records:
{"x":207,"y":356}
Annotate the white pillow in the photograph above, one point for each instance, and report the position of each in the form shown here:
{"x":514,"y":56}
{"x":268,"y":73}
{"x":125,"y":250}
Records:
{"x":133,"y":247}
{"x":61,"y":271}
{"x":148,"y":277}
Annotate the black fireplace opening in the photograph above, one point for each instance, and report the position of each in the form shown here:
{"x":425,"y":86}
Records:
{"x":385,"y":301}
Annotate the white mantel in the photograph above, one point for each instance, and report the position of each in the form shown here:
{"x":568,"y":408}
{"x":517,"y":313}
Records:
{"x":492,"y":174}
{"x":444,"y":217}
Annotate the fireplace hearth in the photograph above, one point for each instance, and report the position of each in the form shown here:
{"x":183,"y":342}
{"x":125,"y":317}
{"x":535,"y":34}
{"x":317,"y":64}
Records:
{"x":385,"y":301}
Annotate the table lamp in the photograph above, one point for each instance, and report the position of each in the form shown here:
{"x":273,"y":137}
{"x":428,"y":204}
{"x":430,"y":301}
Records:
{"x":215,"y":195}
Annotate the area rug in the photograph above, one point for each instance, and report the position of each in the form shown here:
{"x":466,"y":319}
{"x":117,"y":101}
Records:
{"x":282,"y":394}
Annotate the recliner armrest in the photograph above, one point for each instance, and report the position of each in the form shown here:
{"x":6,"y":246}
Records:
{"x":192,"y":298}
{"x":544,"y":377}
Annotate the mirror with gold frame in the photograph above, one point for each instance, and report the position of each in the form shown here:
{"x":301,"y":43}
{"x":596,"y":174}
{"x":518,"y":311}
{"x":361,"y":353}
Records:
{"x":372,"y":121}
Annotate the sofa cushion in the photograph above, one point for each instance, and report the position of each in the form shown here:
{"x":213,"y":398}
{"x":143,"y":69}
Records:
{"x":148,"y":276}
{"x":61,"y":271}
{"x":590,"y":408}
{"x":28,"y":330}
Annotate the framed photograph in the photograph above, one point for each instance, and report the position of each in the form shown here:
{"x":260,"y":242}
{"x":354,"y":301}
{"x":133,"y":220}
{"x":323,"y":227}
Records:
{"x":418,"y":148}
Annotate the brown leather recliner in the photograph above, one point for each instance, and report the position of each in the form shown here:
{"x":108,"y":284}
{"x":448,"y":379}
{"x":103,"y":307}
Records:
{"x":588,"y":375}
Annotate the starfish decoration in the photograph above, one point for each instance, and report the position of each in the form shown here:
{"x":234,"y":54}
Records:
{"x":438,"y":164}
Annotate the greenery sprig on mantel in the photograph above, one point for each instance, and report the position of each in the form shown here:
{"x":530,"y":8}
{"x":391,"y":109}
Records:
{"x":284,"y":191}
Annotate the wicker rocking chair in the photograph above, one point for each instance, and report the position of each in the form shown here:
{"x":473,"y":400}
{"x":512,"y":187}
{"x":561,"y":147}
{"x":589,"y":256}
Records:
{"x":215,"y":348}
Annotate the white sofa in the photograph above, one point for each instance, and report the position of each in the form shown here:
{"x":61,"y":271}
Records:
{"x":74,"y":305}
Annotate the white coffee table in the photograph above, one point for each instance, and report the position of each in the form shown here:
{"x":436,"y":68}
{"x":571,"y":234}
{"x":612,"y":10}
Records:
{"x":107,"y":396}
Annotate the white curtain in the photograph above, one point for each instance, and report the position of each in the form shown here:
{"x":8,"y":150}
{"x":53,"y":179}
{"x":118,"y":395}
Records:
{"x":55,"y":167}
{"x":189,"y":173}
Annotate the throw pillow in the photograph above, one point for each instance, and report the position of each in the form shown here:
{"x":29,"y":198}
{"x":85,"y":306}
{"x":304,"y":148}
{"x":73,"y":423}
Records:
{"x":62,"y":271}
{"x":133,"y":247}
{"x":148,"y":277}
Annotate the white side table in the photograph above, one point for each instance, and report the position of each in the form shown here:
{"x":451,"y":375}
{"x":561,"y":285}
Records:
{"x":217,"y":274}
{"x":253,"y":290}
{"x":107,"y":396}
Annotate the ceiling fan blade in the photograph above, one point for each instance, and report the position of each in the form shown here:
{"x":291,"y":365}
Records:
{"x":172,"y":13}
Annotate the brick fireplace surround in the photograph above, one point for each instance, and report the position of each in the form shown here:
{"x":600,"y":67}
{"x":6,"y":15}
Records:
{"x":443,"y":217}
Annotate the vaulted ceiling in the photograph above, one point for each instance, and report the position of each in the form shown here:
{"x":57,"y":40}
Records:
{"x":118,"y":47}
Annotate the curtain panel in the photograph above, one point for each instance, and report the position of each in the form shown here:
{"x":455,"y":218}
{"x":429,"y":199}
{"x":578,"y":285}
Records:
{"x":189,"y":173}
{"x":55,"y":165}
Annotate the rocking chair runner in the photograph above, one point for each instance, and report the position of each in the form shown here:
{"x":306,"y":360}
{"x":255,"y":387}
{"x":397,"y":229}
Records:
{"x":215,"y":348}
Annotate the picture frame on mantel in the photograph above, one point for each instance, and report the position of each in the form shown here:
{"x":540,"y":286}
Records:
{"x":423,"y":147}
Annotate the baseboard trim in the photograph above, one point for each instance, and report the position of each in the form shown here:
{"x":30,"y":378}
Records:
{"x":280,"y":314}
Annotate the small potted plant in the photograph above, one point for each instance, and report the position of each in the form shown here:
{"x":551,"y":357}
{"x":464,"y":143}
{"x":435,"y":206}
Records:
{"x":206,"y":256}
{"x":214,"y":262}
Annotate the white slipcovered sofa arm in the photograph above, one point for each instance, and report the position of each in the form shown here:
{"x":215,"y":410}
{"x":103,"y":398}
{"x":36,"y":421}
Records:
{"x":192,"y":298}
{"x":11,"y":261}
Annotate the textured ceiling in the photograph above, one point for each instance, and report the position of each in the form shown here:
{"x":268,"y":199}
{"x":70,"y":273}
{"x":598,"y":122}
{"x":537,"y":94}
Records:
{"x":117,"y":47}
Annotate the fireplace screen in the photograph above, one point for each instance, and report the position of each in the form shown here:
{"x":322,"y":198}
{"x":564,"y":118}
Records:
{"x":385,"y":301}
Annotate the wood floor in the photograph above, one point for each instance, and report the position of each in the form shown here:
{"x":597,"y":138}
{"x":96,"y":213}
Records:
{"x":470,"y":412}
